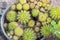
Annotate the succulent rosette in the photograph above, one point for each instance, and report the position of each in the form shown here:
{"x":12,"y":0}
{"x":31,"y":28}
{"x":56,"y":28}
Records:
{"x":12,"y":25}
{"x":28,"y":34}
{"x":11,"y":16}
{"x":55,"y":13}
{"x":45,"y":30}
{"x":23,"y":17}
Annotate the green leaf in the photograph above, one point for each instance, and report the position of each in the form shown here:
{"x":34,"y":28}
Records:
{"x":53,"y":23}
{"x":52,"y":30}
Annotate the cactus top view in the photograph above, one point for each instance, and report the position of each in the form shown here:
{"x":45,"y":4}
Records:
{"x":32,"y":20}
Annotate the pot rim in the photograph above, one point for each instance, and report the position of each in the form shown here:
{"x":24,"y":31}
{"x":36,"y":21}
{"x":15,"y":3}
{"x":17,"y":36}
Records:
{"x":2,"y":22}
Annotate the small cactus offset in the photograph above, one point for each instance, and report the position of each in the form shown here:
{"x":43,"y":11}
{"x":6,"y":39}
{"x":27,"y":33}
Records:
{"x":31,"y":23}
{"x":26,"y":6}
{"x":23,"y":17}
{"x":37,"y":29}
{"x":11,"y":16}
{"x":22,"y":1}
{"x":35,"y":12}
{"x":32,"y":19}
{"x":18,"y":31}
{"x":42,"y":17}
{"x":15,"y":37}
{"x":19,"y":6}
{"x":12,"y":25}
{"x":45,"y":30}
{"x":28,"y":34}
{"x":13,"y":7}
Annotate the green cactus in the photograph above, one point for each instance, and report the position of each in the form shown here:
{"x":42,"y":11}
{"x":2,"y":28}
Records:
{"x":22,"y":1}
{"x":31,"y":23}
{"x":43,"y":17}
{"x":13,"y":7}
{"x":12,"y":25}
{"x":23,"y":17}
{"x":55,"y":29}
{"x":26,"y":6}
{"x":18,"y":31}
{"x":15,"y":37}
{"x":11,"y":16}
{"x":48,"y":20}
{"x":35,"y":12}
{"x":28,"y":34}
{"x":19,"y":6}
{"x":55,"y":13}
{"x":37,"y":29}
{"x":45,"y":30}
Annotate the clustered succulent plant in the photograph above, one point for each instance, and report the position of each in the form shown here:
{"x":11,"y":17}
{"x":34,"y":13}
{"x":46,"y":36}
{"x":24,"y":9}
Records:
{"x":32,"y":19}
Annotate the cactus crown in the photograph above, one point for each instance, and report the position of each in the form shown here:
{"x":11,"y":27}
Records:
{"x":22,"y":1}
{"x":31,"y":23}
{"x":12,"y":25}
{"x":28,"y":34}
{"x":23,"y":17}
{"x":18,"y":31}
{"x":35,"y":12}
{"x":55,"y":13}
{"x":11,"y":16}
{"x":26,"y":6}
{"x":42,"y":17}
{"x":46,"y":31}
{"x":19,"y":6}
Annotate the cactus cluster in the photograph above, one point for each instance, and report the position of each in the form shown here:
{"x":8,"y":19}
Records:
{"x":31,"y":19}
{"x":28,"y":34}
{"x":23,"y":17}
{"x":11,"y":16}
